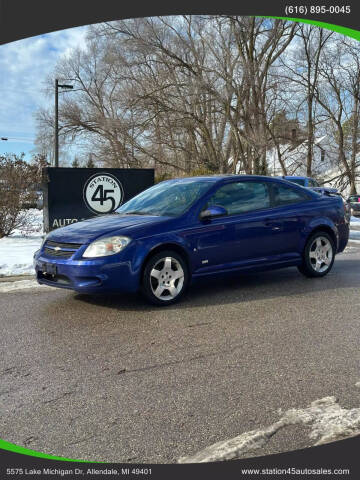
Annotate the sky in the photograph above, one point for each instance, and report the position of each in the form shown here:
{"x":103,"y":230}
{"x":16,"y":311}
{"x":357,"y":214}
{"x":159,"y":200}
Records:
{"x":24,"y":67}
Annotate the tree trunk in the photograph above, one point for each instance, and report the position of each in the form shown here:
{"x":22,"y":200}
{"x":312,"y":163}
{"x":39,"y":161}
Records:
{"x":310,"y":137}
{"x":354,"y":142}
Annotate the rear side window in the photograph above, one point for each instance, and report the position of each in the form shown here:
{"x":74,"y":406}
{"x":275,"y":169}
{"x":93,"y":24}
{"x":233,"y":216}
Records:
{"x":241,"y":197}
{"x":313,"y":183}
{"x":298,"y":181}
{"x":283,"y":195}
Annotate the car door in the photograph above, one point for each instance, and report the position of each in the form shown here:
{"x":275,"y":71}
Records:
{"x":241,"y":237}
{"x":287,"y":219}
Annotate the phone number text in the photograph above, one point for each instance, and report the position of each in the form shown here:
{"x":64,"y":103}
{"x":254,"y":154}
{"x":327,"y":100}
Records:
{"x":305,"y":9}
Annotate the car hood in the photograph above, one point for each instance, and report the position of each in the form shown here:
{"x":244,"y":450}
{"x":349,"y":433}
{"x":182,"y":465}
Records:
{"x":88,"y":230}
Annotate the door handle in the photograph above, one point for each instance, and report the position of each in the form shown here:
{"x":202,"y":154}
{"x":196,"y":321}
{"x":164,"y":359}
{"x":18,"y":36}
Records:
{"x":273,"y":224}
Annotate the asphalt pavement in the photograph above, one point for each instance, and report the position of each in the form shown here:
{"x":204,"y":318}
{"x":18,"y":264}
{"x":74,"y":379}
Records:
{"x":114,"y":379}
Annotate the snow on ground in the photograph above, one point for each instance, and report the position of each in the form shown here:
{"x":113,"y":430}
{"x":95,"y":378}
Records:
{"x":16,"y":255}
{"x":355,"y":229}
{"x":355,"y":222}
{"x":34,"y":227}
{"x":327,"y":420}
{"x":20,"y":285}
{"x":17,"y":250}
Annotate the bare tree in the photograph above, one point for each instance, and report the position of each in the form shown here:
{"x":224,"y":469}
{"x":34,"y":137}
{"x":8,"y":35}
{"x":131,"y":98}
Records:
{"x":199,"y":94}
{"x":17,"y":181}
{"x":302,"y":68}
{"x":183,"y":93}
{"x":260,"y":43}
{"x":338,"y":94}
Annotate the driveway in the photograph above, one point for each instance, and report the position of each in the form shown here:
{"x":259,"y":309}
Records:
{"x":114,"y":379}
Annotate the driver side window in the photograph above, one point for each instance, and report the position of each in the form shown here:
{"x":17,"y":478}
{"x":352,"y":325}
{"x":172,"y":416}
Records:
{"x":241,"y":197}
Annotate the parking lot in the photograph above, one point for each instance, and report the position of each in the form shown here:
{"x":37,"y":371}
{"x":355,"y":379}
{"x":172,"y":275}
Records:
{"x":114,"y":379}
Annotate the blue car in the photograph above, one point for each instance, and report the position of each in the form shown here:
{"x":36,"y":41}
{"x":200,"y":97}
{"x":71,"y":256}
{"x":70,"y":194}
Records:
{"x":183,"y":229}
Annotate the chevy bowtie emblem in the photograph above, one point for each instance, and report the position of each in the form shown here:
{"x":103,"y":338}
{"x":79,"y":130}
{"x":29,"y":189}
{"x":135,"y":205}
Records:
{"x":57,"y":248}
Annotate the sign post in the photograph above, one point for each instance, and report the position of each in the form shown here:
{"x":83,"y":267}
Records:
{"x":75,"y":194}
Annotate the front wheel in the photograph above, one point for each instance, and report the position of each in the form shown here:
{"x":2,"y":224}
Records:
{"x":165,"y":278}
{"x":318,"y":256}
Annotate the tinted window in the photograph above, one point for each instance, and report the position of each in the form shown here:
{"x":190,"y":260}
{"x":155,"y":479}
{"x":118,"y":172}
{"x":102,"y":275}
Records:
{"x":354,"y":198}
{"x":313,"y":183}
{"x":299,"y":181}
{"x":241,"y":197}
{"x":286,"y":195}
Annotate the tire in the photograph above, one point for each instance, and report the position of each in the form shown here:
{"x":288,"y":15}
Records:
{"x":165,"y":269}
{"x":318,"y":256}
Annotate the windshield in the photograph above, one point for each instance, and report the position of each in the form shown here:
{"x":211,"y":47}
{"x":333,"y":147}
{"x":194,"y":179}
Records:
{"x":170,"y":198}
{"x":354,"y":198}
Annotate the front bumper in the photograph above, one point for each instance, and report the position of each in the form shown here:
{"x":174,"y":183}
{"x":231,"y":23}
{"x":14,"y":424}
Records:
{"x":100,"y":275}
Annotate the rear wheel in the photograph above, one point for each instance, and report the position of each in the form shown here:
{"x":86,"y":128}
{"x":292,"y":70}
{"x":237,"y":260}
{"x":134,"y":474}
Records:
{"x":319,"y":255}
{"x":165,"y":278}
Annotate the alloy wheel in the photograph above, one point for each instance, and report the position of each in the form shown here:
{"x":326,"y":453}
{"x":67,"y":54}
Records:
{"x":166,"y":278}
{"x":321,"y":254}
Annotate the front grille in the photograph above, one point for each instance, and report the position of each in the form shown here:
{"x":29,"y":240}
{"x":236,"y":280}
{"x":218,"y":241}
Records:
{"x":58,"y":253}
{"x":60,"y":250}
{"x":68,"y":246}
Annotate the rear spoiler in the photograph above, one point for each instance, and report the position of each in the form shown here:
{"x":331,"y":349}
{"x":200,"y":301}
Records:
{"x":326,"y":191}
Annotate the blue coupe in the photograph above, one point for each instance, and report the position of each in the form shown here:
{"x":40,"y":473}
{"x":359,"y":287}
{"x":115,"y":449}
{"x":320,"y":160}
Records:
{"x":183,"y":229}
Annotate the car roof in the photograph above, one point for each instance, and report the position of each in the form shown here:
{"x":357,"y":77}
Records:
{"x":223,"y":177}
{"x":227,"y":178}
{"x":296,"y":177}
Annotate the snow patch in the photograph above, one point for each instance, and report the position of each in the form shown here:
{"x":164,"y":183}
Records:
{"x":34,"y":227}
{"x":354,"y":235}
{"x":349,"y":249}
{"x":327,"y":419}
{"x":355,"y":221}
{"x":20,"y":285}
{"x":17,"y":250}
{"x":16,"y":255}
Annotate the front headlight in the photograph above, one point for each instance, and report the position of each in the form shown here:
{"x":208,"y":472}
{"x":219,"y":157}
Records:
{"x":106,"y":246}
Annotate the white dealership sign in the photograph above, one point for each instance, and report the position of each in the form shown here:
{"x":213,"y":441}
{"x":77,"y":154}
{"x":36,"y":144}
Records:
{"x":103,"y":193}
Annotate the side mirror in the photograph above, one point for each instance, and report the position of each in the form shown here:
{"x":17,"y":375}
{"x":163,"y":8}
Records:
{"x":213,"y":212}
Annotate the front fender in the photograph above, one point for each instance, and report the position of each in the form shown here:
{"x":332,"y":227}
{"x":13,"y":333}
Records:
{"x":145,"y":246}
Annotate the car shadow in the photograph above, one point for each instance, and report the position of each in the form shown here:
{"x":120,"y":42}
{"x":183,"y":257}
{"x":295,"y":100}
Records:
{"x":236,"y":288}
